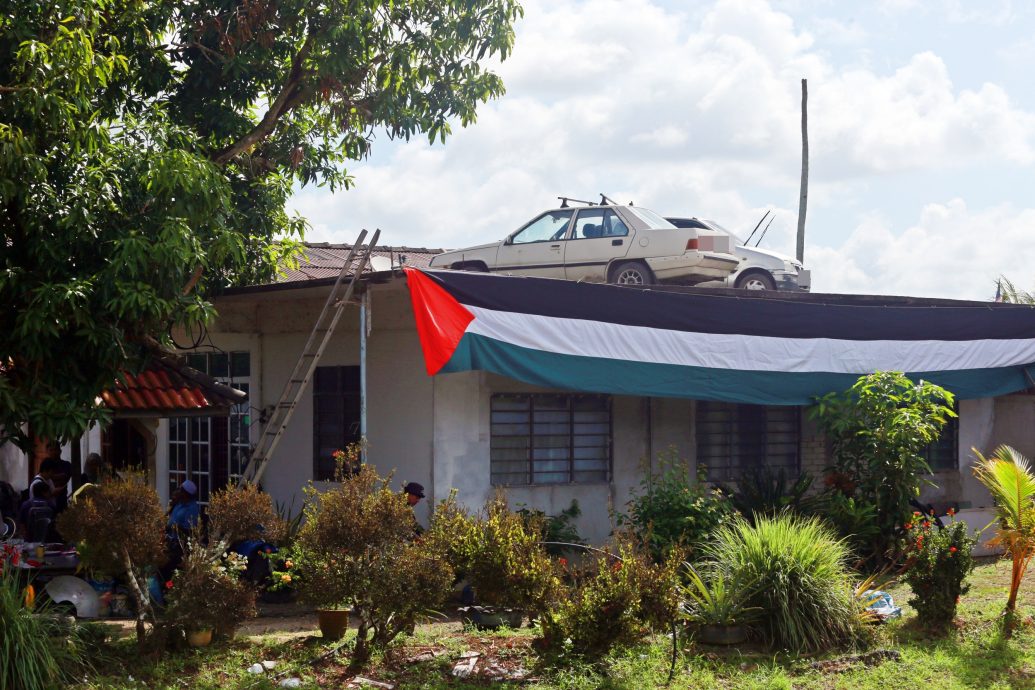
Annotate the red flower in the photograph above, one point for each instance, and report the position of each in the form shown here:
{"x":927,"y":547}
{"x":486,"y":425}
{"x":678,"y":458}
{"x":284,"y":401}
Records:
{"x":168,"y":584}
{"x":916,"y":513}
{"x":952,"y":549}
{"x":926,"y":523}
{"x":617,"y":566}
{"x":950,"y":512}
{"x":908,"y":525}
{"x":563,"y":561}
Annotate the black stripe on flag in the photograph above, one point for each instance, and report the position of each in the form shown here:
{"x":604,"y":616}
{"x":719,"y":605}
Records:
{"x":731,"y":315}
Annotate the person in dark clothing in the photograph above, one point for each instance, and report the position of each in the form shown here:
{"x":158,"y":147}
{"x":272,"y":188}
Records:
{"x":414,"y":492}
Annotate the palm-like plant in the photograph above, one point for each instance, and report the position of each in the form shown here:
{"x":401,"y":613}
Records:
{"x":1008,"y":476}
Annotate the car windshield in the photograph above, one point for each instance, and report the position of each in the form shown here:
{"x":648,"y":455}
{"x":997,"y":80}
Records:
{"x":653,"y":220}
{"x":715,"y":226}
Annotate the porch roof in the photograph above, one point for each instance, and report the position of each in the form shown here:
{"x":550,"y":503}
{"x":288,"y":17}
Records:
{"x":169,"y":388}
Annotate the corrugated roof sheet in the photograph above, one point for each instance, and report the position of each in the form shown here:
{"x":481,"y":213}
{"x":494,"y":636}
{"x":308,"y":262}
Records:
{"x":167,"y":388}
{"x":323,"y":260}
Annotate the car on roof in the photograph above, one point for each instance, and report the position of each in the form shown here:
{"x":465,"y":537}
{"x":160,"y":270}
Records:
{"x":759,"y":269}
{"x":602,"y":243}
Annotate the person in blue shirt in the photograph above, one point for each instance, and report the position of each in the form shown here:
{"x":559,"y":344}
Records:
{"x":185,"y":511}
{"x":184,"y":515}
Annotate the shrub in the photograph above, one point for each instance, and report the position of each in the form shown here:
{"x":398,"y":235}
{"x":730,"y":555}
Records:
{"x":119,"y":527}
{"x":714,"y":598}
{"x":804,"y":599}
{"x":207,"y":592}
{"x":357,"y":548}
{"x":879,"y":429}
{"x":616,"y":605}
{"x":764,"y":491}
{"x":853,"y":520}
{"x":938,"y":562}
{"x":671,"y":510}
{"x":502,"y":557}
{"x":37,"y":650}
{"x":555,"y":530}
{"x":240,"y":513}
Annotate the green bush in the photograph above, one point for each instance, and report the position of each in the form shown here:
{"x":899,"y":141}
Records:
{"x":499,"y":552}
{"x":357,"y":548}
{"x":804,"y":600}
{"x":207,"y":592}
{"x":765,"y":491}
{"x":671,"y":510}
{"x":38,"y":650}
{"x":879,"y":429}
{"x":854,"y":520}
{"x":938,"y":562}
{"x":617,"y":605}
{"x":555,"y":530}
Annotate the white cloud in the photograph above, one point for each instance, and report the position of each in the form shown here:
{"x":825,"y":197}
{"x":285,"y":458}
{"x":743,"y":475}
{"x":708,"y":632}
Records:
{"x":689,"y":114}
{"x":951,"y":251}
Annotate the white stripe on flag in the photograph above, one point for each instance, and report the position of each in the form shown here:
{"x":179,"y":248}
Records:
{"x":744,"y":352}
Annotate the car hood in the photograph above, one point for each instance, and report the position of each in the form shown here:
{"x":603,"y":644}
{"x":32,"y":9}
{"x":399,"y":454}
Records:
{"x":762,"y":257}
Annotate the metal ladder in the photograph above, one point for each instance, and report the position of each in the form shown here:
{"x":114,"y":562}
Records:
{"x":320,"y":336}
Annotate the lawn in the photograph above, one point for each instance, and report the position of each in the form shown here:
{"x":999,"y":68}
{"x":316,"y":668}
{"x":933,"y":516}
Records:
{"x":973,"y":656}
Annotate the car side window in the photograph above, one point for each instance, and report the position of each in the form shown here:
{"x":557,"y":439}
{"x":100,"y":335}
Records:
{"x":613,"y":225}
{"x":547,"y":227}
{"x":589,"y":224}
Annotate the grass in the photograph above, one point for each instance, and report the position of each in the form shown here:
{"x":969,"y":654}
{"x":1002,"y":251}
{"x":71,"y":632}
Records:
{"x":973,"y":656}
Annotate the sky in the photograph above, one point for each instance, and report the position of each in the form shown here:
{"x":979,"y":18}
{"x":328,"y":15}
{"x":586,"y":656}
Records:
{"x":921,"y":136}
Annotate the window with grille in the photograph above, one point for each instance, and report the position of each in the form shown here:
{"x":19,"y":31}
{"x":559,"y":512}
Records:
{"x":211,"y":451}
{"x":550,"y":439}
{"x":735,"y":439}
{"x":943,"y":454}
{"x":336,"y":402}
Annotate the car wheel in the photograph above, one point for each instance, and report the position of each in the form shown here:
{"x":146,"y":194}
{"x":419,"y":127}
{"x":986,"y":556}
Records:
{"x":632,"y":273}
{"x":756,"y":281}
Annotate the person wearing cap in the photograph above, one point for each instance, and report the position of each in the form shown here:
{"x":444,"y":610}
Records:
{"x":414,"y":492}
{"x":185,"y":511}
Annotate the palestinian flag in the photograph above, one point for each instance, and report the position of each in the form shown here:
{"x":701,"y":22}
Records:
{"x":630,"y":341}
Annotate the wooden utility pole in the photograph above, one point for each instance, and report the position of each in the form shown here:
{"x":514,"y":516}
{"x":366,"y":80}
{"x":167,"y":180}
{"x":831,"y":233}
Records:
{"x":804,"y":169}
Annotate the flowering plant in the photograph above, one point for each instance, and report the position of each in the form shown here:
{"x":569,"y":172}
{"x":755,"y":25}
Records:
{"x":208,"y":592}
{"x":938,"y":563}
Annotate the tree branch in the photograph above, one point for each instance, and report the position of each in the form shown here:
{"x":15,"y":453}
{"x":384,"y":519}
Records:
{"x":291,"y":94}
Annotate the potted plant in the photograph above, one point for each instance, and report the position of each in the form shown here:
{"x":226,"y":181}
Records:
{"x":208,"y":594}
{"x":716,"y":606}
{"x":357,"y":549}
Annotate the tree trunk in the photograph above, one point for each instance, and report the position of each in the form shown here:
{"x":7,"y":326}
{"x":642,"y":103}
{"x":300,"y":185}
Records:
{"x":1016,"y":575}
{"x":143,"y":605}
{"x":800,"y":253}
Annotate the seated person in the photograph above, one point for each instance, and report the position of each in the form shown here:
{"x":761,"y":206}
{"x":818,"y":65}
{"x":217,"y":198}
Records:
{"x":38,"y":506}
{"x":184,"y":512}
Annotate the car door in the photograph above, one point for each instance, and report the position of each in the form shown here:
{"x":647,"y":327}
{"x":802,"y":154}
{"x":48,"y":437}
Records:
{"x":538,"y":248}
{"x":598,"y":237}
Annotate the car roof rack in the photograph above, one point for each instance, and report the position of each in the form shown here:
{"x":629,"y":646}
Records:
{"x":566,"y":199}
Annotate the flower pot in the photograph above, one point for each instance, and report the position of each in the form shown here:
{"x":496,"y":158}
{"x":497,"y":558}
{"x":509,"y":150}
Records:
{"x":333,"y":622}
{"x":722,"y":634}
{"x":199,"y":638}
{"x":490,"y":618}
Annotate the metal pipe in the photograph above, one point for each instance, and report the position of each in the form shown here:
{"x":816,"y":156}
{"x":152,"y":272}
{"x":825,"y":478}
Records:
{"x":364,"y":301}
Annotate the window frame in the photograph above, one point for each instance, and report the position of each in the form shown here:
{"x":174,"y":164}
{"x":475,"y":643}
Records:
{"x":733,"y":435}
{"x":571,"y":459}
{"x":323,"y":468}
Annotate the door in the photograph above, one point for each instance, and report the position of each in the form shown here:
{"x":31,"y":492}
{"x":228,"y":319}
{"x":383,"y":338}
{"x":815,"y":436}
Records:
{"x":599,"y":236}
{"x":538,"y":248}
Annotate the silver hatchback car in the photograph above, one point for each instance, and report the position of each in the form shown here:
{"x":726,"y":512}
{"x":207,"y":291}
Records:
{"x":602,"y":243}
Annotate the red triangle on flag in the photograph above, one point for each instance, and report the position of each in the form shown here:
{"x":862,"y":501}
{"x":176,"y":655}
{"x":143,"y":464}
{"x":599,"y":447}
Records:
{"x":441,"y":320}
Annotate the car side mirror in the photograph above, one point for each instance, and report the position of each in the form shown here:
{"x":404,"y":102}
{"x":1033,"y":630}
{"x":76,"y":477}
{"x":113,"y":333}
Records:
{"x":509,"y":241}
